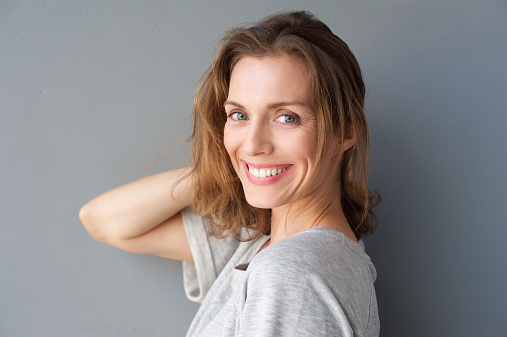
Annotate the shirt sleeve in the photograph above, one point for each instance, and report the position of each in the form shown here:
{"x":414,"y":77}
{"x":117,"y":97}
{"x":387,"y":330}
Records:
{"x":291,"y":302}
{"x":209,"y":253}
{"x":306,"y":286}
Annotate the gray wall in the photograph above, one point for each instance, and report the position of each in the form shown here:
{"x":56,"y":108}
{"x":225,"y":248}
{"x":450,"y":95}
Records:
{"x":90,"y":91}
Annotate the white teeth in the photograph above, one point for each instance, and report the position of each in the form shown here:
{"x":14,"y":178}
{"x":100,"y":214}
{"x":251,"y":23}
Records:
{"x":263,"y":173}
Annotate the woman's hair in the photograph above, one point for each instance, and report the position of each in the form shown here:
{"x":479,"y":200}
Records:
{"x":339,"y":95}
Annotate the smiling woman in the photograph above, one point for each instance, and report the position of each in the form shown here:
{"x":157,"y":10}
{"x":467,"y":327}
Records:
{"x":269,"y":217}
{"x":274,"y":129}
{"x":262,"y":130}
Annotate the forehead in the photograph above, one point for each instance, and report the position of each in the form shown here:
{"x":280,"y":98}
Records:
{"x":271,"y":79}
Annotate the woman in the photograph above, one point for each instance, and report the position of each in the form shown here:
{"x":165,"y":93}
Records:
{"x":267,"y":220}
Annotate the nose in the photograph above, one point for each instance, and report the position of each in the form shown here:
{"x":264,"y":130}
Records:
{"x":259,"y":139}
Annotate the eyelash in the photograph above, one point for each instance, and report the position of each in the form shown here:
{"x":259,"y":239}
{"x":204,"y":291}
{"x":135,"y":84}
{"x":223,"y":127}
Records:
{"x":295,"y":117}
{"x":234,"y":113}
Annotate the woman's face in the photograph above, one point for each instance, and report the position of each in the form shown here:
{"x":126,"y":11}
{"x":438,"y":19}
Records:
{"x":271,"y":130}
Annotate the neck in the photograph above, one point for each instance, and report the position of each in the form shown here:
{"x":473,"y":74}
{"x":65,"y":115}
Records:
{"x":307,"y":213}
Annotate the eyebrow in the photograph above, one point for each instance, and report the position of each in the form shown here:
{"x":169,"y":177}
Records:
{"x":268,"y":106}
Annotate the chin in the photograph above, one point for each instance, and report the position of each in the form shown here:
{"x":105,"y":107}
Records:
{"x":263,"y":202}
{"x":257,"y":202}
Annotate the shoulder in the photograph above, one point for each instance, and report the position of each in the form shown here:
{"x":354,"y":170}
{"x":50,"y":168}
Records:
{"x":316,"y":252}
{"x":318,"y":276}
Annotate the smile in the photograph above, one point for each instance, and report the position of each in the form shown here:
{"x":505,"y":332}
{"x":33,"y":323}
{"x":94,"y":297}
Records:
{"x":263,"y":173}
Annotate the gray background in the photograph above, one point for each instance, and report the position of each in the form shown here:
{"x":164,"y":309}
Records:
{"x":91,"y":91}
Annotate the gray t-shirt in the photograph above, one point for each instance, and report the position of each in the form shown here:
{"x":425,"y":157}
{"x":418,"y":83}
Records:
{"x":314,"y":283}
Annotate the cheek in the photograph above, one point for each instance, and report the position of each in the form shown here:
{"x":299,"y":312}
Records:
{"x":230,"y":144}
{"x":306,"y":147}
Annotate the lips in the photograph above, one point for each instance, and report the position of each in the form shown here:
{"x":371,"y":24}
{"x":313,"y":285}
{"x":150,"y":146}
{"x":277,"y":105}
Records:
{"x":265,"y":174}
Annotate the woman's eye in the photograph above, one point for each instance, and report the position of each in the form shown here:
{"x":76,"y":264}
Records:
{"x":237,"y":116}
{"x":288,"y":119}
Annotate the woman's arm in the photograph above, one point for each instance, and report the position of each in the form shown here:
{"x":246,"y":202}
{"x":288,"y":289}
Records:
{"x":143,"y":216}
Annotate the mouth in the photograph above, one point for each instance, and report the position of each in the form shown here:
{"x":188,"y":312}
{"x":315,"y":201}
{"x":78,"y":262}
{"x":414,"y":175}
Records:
{"x":266,"y":171}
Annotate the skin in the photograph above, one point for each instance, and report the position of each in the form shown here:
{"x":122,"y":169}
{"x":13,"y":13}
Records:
{"x":143,"y":216}
{"x":271,"y":123}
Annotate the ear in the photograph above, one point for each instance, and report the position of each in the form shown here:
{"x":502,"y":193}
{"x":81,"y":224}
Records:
{"x":351,"y":136}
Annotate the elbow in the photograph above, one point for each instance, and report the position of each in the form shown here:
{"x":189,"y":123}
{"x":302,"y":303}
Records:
{"x":89,"y":215}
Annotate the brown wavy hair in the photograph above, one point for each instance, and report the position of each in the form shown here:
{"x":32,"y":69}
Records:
{"x":339,"y":95}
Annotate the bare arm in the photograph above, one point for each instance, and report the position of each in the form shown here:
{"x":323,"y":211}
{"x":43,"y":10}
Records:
{"x":143,"y":216}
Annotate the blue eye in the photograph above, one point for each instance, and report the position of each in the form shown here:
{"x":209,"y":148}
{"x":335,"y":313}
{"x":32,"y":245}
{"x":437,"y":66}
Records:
{"x":288,"y":119}
{"x":237,"y":116}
